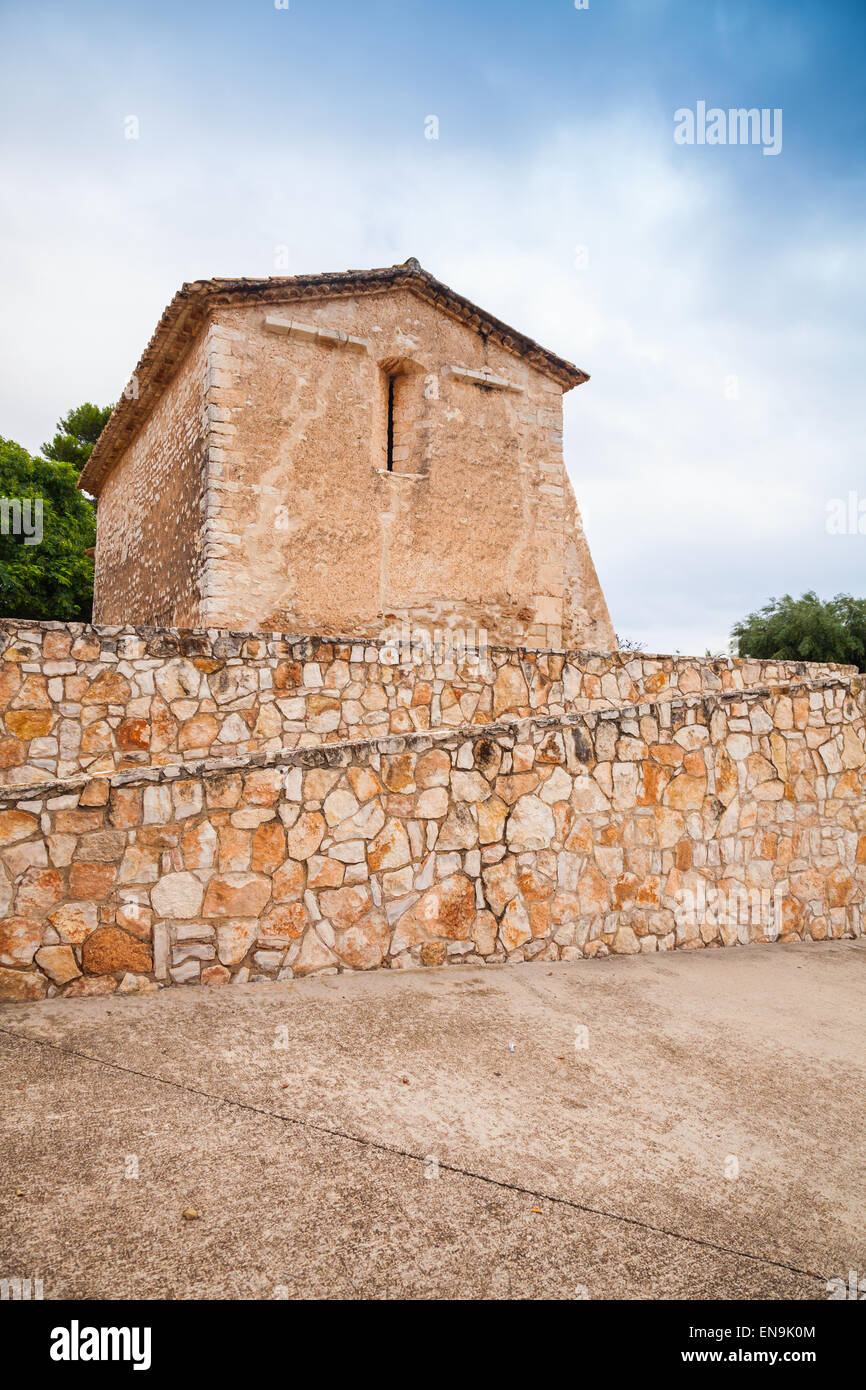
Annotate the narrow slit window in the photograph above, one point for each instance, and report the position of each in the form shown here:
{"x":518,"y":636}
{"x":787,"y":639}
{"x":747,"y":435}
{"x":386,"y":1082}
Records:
{"x":391,"y":381}
{"x":405,"y":438}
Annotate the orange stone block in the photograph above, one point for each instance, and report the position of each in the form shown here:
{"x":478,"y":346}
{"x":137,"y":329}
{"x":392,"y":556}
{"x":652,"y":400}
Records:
{"x":91,"y":881}
{"x":133,"y":734}
{"x":109,"y":949}
{"x":269,"y":847}
{"x":684,"y":854}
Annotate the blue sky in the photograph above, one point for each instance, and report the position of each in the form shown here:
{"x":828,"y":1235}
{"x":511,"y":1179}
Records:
{"x":718,"y":302}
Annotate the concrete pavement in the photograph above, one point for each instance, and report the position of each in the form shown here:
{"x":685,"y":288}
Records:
{"x":687,"y":1125}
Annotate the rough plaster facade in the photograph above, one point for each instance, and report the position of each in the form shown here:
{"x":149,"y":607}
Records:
{"x":335,"y":453}
{"x":697,"y":823}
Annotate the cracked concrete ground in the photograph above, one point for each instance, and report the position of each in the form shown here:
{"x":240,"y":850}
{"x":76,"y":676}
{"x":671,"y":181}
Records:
{"x":446,"y":1134}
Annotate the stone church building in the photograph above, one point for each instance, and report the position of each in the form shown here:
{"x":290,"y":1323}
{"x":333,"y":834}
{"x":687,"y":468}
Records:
{"x":335,"y":453}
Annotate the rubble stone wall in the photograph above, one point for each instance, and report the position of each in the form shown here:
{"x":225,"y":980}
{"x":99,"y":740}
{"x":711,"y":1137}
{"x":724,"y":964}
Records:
{"x":75,"y":697}
{"x":150,"y":550}
{"x":619,"y":830}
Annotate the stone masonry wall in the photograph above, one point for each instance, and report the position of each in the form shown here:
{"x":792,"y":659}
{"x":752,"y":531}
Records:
{"x":547,"y":838}
{"x":308,"y":529}
{"x":150,"y":535}
{"x":75,"y":697}
{"x":255,"y":489}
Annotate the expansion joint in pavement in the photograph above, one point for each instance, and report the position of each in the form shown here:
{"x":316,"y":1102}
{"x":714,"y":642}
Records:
{"x":394,"y":1149}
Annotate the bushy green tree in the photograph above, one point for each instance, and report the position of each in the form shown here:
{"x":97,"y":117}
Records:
{"x":806,"y":629}
{"x":51,"y":577}
{"x":76,"y":435}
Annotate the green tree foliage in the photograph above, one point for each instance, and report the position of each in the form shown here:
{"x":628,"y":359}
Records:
{"x":76,"y":435}
{"x":806,"y":629}
{"x":54,"y":578}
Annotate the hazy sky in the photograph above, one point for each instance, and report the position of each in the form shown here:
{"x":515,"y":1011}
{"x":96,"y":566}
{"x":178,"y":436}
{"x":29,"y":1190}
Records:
{"x":717,"y":301}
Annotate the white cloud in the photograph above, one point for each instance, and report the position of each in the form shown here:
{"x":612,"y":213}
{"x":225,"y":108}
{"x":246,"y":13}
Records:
{"x":697,"y":507}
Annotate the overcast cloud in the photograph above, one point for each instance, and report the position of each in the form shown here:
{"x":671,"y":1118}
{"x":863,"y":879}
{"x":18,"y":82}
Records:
{"x":702,"y":495}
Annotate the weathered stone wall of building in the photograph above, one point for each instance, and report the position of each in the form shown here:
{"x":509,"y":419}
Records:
{"x":80,"y":698}
{"x":262,"y":475}
{"x":151,"y":527}
{"x":612,"y":831}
